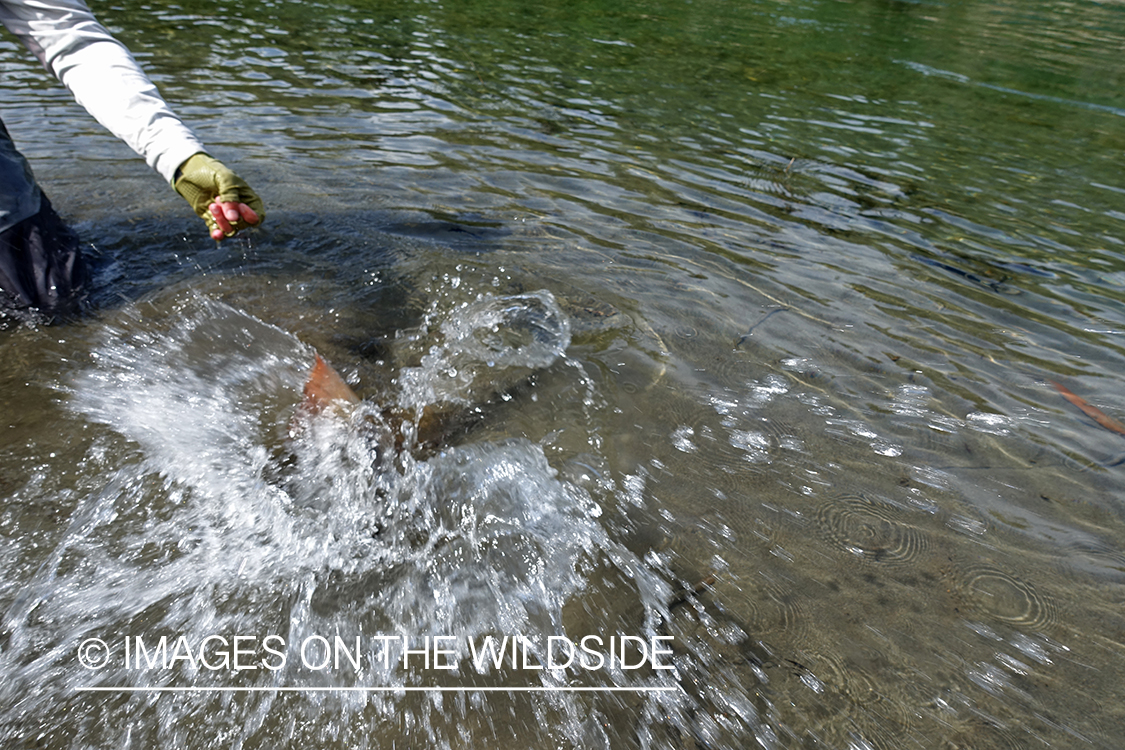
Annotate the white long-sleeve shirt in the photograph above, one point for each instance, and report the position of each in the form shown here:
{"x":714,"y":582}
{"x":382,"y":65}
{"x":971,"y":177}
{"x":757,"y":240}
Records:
{"x":103,"y":77}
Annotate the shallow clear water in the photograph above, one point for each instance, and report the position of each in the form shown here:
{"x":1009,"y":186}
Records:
{"x":744,"y":318}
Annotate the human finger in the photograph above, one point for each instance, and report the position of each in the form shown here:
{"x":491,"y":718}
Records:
{"x":249,"y":215}
{"x":236,"y":211}
{"x":222,"y":223}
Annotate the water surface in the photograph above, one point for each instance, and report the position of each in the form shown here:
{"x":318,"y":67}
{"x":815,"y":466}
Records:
{"x":787,"y":286}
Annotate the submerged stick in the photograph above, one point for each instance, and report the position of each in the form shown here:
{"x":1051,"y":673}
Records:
{"x":1089,"y":410}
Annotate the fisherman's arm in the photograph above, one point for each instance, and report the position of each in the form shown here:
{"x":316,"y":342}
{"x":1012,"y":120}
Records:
{"x":105,"y":79}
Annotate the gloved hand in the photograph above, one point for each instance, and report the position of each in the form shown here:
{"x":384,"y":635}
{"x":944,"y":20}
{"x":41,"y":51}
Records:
{"x":218,"y":195}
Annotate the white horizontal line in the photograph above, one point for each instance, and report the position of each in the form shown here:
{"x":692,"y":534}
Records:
{"x":95,"y":689}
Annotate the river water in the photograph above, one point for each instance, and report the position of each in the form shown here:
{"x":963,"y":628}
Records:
{"x":742,"y":320}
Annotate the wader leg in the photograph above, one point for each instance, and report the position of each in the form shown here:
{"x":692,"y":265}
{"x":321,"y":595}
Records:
{"x":41,"y":270}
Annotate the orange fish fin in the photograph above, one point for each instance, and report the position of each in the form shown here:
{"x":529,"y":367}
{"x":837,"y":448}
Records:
{"x":1089,"y":410}
{"x":325,"y":387}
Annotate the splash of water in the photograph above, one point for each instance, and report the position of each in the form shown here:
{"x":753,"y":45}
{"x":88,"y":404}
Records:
{"x":484,"y":342}
{"x":214,"y":521}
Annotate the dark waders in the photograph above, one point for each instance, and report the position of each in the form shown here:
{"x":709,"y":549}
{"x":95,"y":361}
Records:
{"x":41,"y":270}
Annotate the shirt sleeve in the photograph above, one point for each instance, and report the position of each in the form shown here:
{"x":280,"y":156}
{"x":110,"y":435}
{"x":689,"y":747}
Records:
{"x":103,"y":77}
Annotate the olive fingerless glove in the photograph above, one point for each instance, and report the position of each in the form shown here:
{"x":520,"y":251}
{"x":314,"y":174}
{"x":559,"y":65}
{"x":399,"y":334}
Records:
{"x":203,"y":180}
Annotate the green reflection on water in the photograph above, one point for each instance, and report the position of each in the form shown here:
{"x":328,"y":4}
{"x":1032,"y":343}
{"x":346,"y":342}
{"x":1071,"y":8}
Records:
{"x":930,"y":194}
